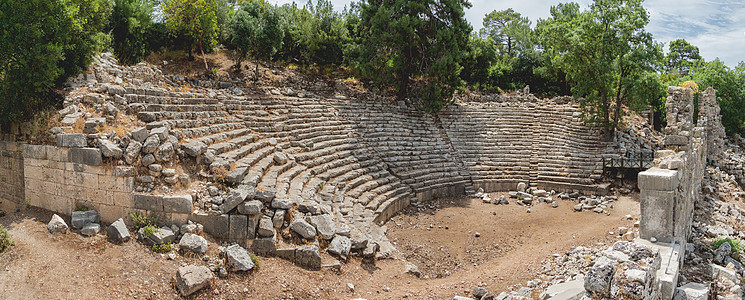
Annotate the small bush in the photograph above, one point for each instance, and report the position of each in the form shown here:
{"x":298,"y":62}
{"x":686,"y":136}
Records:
{"x":736,"y":245}
{"x":162,"y":248}
{"x":5,"y":241}
{"x":254,"y":259}
{"x":149,"y":230}
{"x":140,"y":220}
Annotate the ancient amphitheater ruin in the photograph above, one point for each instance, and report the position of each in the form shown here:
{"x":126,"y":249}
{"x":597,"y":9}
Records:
{"x":304,"y":169}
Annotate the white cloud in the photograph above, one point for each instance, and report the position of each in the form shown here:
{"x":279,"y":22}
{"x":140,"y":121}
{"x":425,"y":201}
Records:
{"x":715,"y":26}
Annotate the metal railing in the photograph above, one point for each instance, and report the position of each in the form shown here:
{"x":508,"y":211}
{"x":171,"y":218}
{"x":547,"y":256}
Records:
{"x":642,"y":162}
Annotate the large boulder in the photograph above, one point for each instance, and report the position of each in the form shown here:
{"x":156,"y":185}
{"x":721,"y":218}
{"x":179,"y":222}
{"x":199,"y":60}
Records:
{"x":324,"y":225}
{"x":190,"y":279}
{"x":308,"y":257}
{"x":57,"y":225}
{"x":194,"y":243}
{"x":118,"y":232}
{"x":340,"y":246}
{"x":239,"y":259}
{"x":302,"y":228}
{"x":109,"y":149}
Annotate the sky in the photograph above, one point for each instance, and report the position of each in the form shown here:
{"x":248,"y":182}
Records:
{"x":717,"y":27}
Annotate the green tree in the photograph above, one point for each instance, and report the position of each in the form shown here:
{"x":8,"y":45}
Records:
{"x":131,"y":25}
{"x":681,"y":57}
{"x":42,"y":44}
{"x":606,"y":54}
{"x":509,"y":29}
{"x":404,"y":39}
{"x":730,"y":88}
{"x":195,"y":19}
{"x":257,"y":30}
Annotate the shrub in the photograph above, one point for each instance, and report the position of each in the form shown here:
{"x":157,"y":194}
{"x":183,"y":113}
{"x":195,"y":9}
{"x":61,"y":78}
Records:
{"x":254,"y":259}
{"x":43,"y":43}
{"x":162,"y":248}
{"x":5,"y":241}
{"x":141,"y":221}
{"x":130,"y":27}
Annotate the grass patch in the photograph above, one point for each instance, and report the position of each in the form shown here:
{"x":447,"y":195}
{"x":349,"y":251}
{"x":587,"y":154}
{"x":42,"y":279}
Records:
{"x":149,"y":230}
{"x":736,"y":245}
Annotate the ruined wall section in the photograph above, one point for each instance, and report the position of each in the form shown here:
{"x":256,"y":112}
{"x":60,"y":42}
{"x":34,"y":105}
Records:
{"x":11,"y":174}
{"x":541,"y":142}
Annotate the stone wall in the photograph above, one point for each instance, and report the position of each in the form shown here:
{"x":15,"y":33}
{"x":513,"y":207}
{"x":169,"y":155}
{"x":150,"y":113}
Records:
{"x":11,"y":175}
{"x":669,"y":191}
{"x":61,"y":179}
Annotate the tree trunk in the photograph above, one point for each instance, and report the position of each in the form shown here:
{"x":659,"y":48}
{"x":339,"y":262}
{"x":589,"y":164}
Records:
{"x":256,"y":70}
{"x":403,"y":85}
{"x":206,"y":67}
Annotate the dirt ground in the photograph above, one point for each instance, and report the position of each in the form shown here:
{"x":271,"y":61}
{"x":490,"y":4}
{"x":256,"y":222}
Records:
{"x":441,"y":241}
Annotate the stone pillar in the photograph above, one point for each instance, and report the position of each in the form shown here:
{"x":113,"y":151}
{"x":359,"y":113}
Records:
{"x":710,"y":119}
{"x":658,"y":203}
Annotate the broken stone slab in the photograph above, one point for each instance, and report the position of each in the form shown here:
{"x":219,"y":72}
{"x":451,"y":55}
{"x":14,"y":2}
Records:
{"x":279,"y":218}
{"x":72,"y":140}
{"x":191,"y":279}
{"x":139,"y":134}
{"x":308,"y":257}
{"x":252,"y":207}
{"x":57,"y":225}
{"x":91,"y":229}
{"x":161,"y":132}
{"x":266,"y":196}
{"x":118,"y":232}
{"x":692,"y":291}
{"x":194,"y":149}
{"x":718,"y":271}
{"x":163,"y":235}
{"x":81,"y":218}
{"x":340,"y":245}
{"x":304,"y":229}
{"x":570,"y":290}
{"x":151,"y":144}
{"x":109,"y":149}
{"x":281,"y":203}
{"x":324,"y":226}
{"x":239,"y":259}
{"x":237,"y":197}
{"x":165,"y":152}
{"x":238,"y":229}
{"x":194,"y":243}
{"x":177,"y":204}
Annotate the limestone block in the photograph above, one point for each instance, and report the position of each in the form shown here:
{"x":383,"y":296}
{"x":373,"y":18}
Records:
{"x":658,"y":179}
{"x":177,"y":204}
{"x":238,"y":232}
{"x":148,"y":202}
{"x":657,"y":212}
{"x":86,"y":156}
{"x":72,"y":140}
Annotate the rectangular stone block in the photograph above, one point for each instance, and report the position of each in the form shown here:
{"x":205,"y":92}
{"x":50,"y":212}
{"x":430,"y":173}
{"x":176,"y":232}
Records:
{"x":72,"y":140}
{"x":238,"y":228}
{"x":123,"y":199}
{"x":253,"y":223}
{"x":658,"y":180}
{"x":675,"y":140}
{"x":216,"y":225}
{"x":237,"y":197}
{"x":34,"y":151}
{"x":177,"y":204}
{"x":657,"y":215}
{"x":86,"y":156}
{"x":148,"y":202}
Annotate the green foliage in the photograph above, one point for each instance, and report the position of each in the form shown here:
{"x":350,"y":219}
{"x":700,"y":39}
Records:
{"x":149,"y":230}
{"x":195,"y":20}
{"x":509,"y":30}
{"x":606,"y":54}
{"x":736,"y":245}
{"x":730,"y":89}
{"x":254,"y":259}
{"x":315,"y":34}
{"x":162,"y":248}
{"x":5,"y":239}
{"x":42,"y":44}
{"x":140,"y":220}
{"x":257,"y":30}
{"x":681,"y":57}
{"x":133,"y":30}
{"x":401,"y":40}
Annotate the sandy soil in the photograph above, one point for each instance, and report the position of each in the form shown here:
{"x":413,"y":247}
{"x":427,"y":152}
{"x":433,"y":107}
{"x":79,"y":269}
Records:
{"x":452,"y":259}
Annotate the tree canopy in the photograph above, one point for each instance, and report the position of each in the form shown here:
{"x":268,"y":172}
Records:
{"x":608,"y":56}
{"x":406,"y":39}
{"x":196,"y":19}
